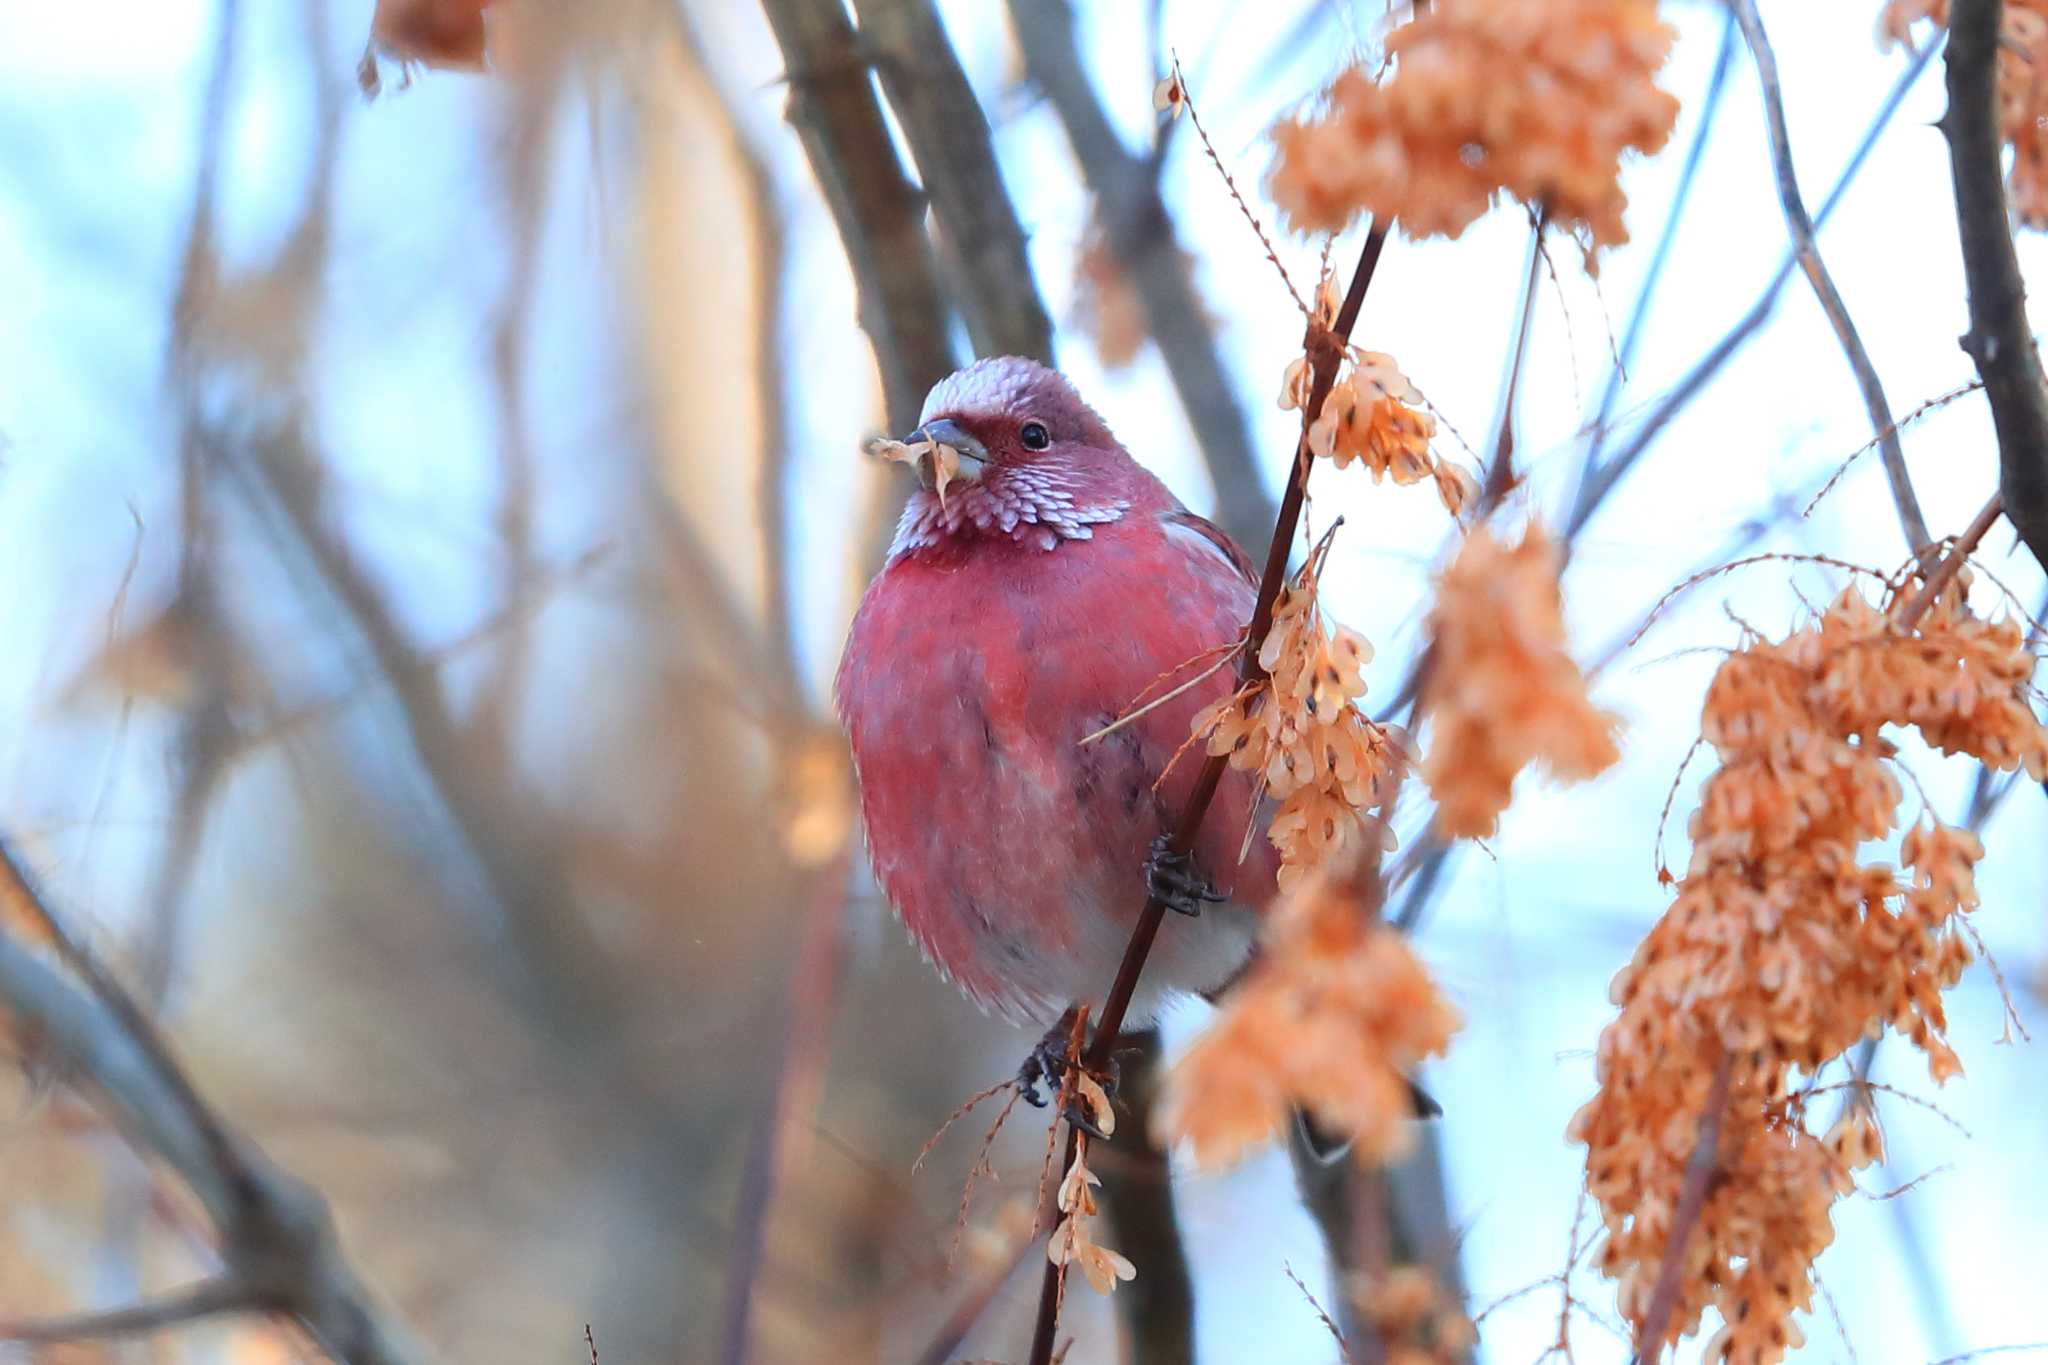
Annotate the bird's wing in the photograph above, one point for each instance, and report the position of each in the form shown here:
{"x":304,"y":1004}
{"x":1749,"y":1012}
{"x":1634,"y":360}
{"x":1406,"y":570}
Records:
{"x":1180,"y":521}
{"x":1216,"y":589}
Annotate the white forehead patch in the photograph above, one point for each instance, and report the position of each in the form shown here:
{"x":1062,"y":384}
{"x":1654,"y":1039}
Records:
{"x":987,"y":388}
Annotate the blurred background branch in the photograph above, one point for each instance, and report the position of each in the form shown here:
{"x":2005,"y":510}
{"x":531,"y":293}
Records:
{"x":277,"y":1243}
{"x":432,"y":524}
{"x":1125,"y":187}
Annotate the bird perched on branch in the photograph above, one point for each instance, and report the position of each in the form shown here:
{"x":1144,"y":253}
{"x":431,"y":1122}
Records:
{"x":1043,"y":587}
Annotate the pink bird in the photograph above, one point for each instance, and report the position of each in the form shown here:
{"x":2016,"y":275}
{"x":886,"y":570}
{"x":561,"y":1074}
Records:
{"x":1054,"y":585}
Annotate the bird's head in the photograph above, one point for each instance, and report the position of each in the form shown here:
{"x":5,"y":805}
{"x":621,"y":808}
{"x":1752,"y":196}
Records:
{"x":1006,"y":448}
{"x":1008,"y":414}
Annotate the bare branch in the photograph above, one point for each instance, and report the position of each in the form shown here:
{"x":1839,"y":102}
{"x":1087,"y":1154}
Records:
{"x":1946,"y":570}
{"x":276,"y":1234}
{"x":1601,"y":477}
{"x":1141,"y":235}
{"x":1325,"y":348}
{"x":880,"y":215}
{"x":204,"y":1300}
{"x":948,"y":134}
{"x":1158,"y":1308}
{"x":1800,"y":223}
{"x":796,"y":1081}
{"x":1998,"y":340}
{"x":1617,"y":377}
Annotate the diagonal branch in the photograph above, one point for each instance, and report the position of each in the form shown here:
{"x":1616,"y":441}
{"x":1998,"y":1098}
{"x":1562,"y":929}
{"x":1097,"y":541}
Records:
{"x":209,"y":1298}
{"x":1998,"y":340}
{"x":880,"y":215}
{"x":1141,"y":235}
{"x":1325,"y":348}
{"x":1800,"y":224}
{"x":948,"y":134}
{"x":277,"y":1236}
{"x":1600,"y":477}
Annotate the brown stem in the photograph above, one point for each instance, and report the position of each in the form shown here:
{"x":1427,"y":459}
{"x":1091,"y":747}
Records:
{"x":794,"y":1085}
{"x":1500,"y":472}
{"x":1325,"y":349}
{"x":1999,"y":340}
{"x":1692,"y":1200}
{"x":277,"y":1237}
{"x":207,"y":1299}
{"x":1157,"y":1308}
{"x":1950,"y":566}
{"x":1800,"y":225}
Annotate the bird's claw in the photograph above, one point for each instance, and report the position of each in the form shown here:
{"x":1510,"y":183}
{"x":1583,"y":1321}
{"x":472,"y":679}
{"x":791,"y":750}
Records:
{"x":1048,"y":1062}
{"x":1172,"y":879}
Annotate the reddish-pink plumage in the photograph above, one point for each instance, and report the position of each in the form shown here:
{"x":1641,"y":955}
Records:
{"x":1033,"y":607}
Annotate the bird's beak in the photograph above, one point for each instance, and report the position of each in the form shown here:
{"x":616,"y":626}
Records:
{"x":934,"y":469}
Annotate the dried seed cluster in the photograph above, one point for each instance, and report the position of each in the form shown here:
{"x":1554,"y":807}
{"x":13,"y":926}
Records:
{"x":1485,"y":96}
{"x":1072,"y":1242}
{"x":1332,"y":1018}
{"x":1782,"y":950}
{"x":1372,"y":414}
{"x":1297,"y":730}
{"x":1502,"y":692}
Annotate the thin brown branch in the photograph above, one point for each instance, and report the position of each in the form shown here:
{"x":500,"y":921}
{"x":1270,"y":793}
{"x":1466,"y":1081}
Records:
{"x":945,"y":1343}
{"x":1998,"y":340}
{"x":1157,"y":1308}
{"x":794,"y":1087}
{"x":1600,"y":477}
{"x":1945,"y":572}
{"x":1800,"y":224}
{"x":1692,"y":1200}
{"x":1141,"y":234}
{"x":1500,"y":473}
{"x":1325,"y":349}
{"x":277,"y":1236}
{"x":552,"y":960}
{"x":879,"y":213}
{"x":948,"y":135}
{"x":207,"y":1299}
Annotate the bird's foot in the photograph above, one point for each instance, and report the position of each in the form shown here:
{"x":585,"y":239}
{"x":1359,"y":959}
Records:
{"x":1050,"y":1062}
{"x":1175,"y":882}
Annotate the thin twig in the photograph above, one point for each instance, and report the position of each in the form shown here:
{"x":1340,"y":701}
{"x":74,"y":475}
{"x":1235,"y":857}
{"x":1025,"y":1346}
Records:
{"x":958,"y":1323}
{"x":1952,"y":563}
{"x":276,"y":1233}
{"x":1244,"y":210}
{"x":209,"y":1298}
{"x":1329,"y":1323}
{"x":1800,"y":224}
{"x":1710,"y":108}
{"x":1500,"y":474}
{"x":1932,"y":405}
{"x":1999,"y":340}
{"x":794,"y":1085}
{"x":1326,"y":350}
{"x":1598,"y":481}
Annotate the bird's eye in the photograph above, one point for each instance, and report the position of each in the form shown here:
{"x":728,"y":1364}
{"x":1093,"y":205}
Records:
{"x":1035,"y":436}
